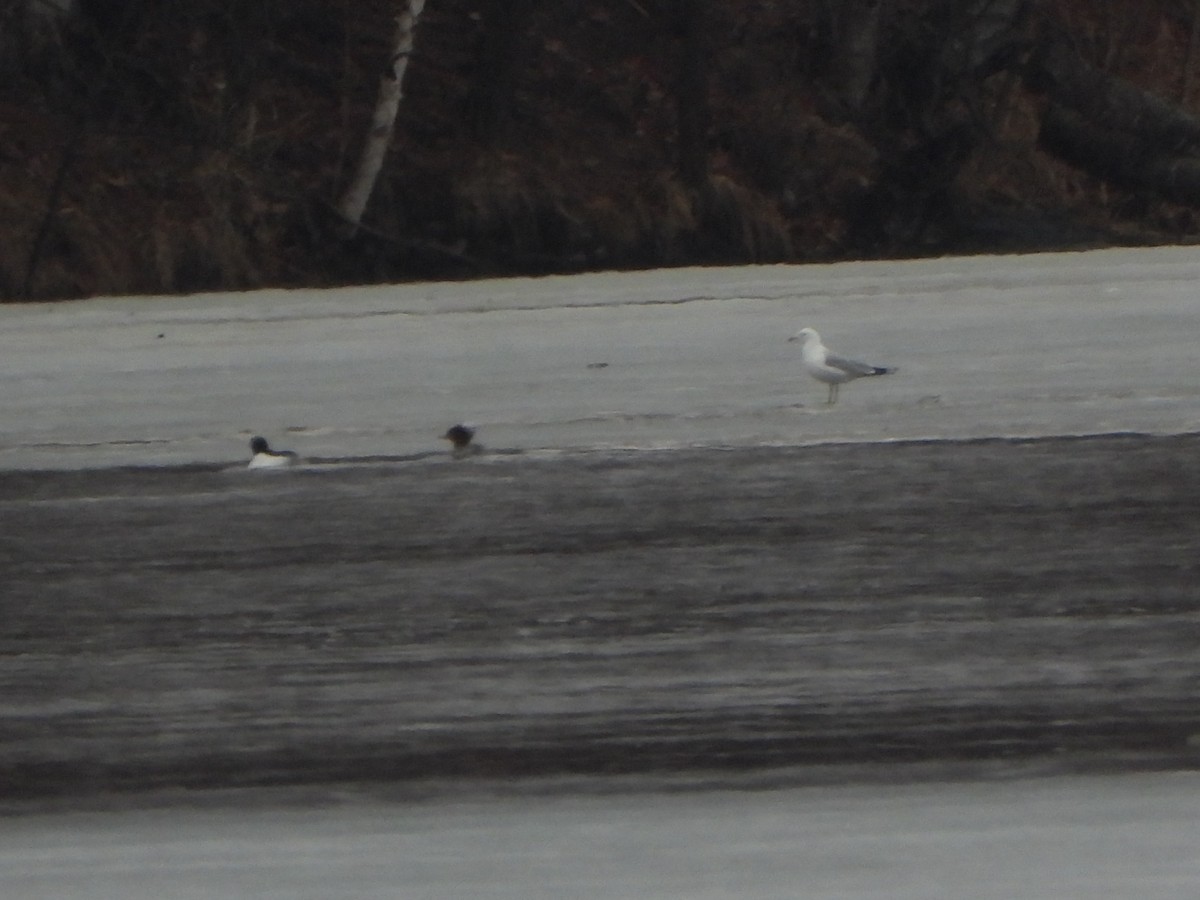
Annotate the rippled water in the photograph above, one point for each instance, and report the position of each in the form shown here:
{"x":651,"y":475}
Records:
{"x":599,"y":612}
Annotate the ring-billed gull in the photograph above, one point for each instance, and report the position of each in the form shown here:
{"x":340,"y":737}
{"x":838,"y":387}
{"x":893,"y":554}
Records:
{"x":830,"y":368}
{"x":263,"y":457}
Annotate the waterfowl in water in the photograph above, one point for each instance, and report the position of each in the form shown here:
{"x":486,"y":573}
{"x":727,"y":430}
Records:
{"x":263,"y":457}
{"x":460,"y":438}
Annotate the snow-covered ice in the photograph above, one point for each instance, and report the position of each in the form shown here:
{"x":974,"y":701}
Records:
{"x":1076,"y":838}
{"x":1075,"y":343}
{"x":829,"y":368}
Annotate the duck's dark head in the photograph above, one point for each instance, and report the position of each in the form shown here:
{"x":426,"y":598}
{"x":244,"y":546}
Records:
{"x":459,"y":435}
{"x":259,"y":445}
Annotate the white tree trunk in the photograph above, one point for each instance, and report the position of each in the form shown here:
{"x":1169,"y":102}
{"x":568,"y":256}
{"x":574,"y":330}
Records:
{"x":391,"y":91}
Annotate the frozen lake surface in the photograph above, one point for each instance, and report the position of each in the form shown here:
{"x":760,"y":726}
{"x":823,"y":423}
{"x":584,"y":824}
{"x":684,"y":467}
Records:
{"x":1053,"y":344}
{"x":1071,"y":838}
{"x":679,"y":569}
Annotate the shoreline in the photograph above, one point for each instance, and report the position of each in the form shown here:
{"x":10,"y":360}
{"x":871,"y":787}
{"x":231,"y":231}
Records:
{"x":333,"y":793}
{"x":329,"y":463}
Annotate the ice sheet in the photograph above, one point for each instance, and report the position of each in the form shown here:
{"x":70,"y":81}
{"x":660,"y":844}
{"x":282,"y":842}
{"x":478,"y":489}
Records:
{"x":1054,"y":344}
{"x":1078,"y":838}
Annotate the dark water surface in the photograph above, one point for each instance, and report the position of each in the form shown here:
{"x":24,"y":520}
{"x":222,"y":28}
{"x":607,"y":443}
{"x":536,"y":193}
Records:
{"x":595,"y":613}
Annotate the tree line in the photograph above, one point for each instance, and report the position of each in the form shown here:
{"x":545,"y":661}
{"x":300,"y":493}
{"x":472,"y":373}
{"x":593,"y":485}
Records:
{"x":148,"y":146}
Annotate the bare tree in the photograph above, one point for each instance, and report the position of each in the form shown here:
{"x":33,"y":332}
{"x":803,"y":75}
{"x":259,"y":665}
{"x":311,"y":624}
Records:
{"x":502,"y":52}
{"x":857,"y":33}
{"x":1113,"y":129}
{"x":391,"y":91}
{"x":691,"y":92}
{"x":1189,"y":61}
{"x":914,"y":84}
{"x":30,"y":28}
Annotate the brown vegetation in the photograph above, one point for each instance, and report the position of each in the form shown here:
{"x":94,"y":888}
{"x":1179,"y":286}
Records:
{"x":148,"y":147}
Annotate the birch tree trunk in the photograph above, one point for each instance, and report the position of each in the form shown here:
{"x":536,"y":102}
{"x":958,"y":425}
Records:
{"x":391,"y":91}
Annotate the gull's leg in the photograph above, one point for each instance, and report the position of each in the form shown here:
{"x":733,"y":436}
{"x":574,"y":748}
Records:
{"x":833,"y":392}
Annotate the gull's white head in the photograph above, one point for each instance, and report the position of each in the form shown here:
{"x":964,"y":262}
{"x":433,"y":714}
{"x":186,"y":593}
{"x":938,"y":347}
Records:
{"x":806,"y":334}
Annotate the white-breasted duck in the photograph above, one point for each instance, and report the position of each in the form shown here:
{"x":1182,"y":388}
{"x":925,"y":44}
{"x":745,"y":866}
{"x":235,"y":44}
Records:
{"x":263,"y":457}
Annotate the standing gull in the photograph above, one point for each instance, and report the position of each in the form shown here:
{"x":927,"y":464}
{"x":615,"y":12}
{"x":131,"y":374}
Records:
{"x":830,"y":368}
{"x":263,"y":457}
